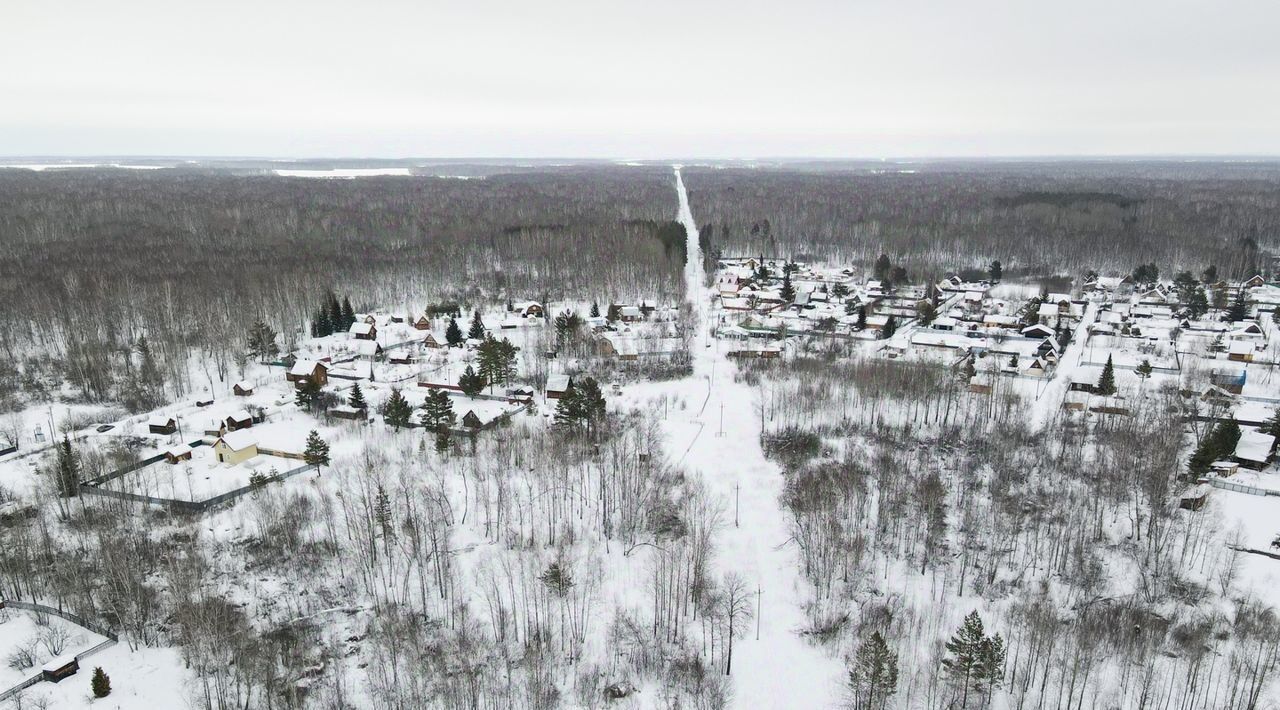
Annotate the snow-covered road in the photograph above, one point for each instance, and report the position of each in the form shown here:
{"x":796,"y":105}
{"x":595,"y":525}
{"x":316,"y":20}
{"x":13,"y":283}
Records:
{"x":780,"y":670}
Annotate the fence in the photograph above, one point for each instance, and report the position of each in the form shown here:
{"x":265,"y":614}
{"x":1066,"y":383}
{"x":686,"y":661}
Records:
{"x":1242,"y":488}
{"x":110,"y":640}
{"x":188,"y":506}
{"x":133,"y":467}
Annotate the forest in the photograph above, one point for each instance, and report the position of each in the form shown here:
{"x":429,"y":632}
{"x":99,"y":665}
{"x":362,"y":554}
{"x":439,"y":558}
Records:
{"x":95,"y":259}
{"x":1035,"y":217}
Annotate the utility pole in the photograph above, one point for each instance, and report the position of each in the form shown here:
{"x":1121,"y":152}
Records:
{"x":736,"y":487}
{"x":721,"y":432}
{"x":758,"y":611}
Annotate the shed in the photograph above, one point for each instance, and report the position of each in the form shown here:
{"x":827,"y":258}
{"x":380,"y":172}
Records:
{"x":240,"y":419}
{"x":235,"y":447}
{"x":1195,"y":497}
{"x":1254,"y":449}
{"x":61,"y":667}
{"x":162,"y":424}
{"x":243,"y":388}
{"x":558,"y":386}
{"x":364,"y":331}
{"x":178,"y":453}
{"x":308,"y":370}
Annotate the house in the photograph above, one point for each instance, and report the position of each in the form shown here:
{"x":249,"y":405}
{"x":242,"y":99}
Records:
{"x":626,"y":314}
{"x":243,"y":388}
{"x":430,"y":340}
{"x":1224,"y":469}
{"x":240,"y":419}
{"x":558,"y":386}
{"x":1230,"y":380}
{"x":308,"y":371}
{"x":162,"y":424}
{"x":422,"y":323}
{"x":1254,"y":449}
{"x":471,"y":420}
{"x":1081,"y":386}
{"x":1240,"y":351}
{"x":178,"y":453}
{"x":1037,"y":331}
{"x":944,"y":323}
{"x":1255,"y":281}
{"x":528,"y":309}
{"x":235,"y":447}
{"x":1036,"y":368}
{"x":363,"y":330}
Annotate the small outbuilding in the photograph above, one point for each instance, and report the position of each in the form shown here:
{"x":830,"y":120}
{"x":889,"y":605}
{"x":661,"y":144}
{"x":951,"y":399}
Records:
{"x":162,"y":424}
{"x":240,"y":419}
{"x":178,"y":453}
{"x":308,"y":371}
{"x":243,"y":388}
{"x":558,"y":386}
{"x":363,"y":330}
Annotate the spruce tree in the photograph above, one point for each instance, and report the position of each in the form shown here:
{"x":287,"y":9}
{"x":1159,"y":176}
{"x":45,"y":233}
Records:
{"x":569,"y":408}
{"x":317,"y":450}
{"x":788,"y":291}
{"x":333,"y":310}
{"x":1107,"y":381}
{"x":356,"y":399}
{"x":67,"y":469}
{"x":100,"y":683}
{"x":471,"y":383}
{"x":477,"y":327}
{"x":595,"y":310}
{"x":1272,"y":425}
{"x":995,"y":271}
{"x":1197,"y":304}
{"x":442,"y":440}
{"x":348,"y":314}
{"x":453,"y":334}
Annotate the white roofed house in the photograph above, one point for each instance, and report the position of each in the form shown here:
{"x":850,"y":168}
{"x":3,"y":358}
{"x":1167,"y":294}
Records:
{"x":235,"y":447}
{"x":363,"y":330}
{"x":243,"y":388}
{"x":308,"y":370}
{"x":1254,"y":449}
{"x":1241,"y":350}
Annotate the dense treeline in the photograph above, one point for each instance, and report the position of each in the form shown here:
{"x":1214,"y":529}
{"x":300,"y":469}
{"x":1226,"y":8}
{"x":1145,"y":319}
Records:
{"x":1046,"y":217}
{"x":96,"y":259}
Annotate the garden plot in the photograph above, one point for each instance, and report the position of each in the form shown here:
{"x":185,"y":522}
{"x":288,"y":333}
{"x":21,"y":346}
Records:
{"x":29,"y":640}
{"x":200,"y":478}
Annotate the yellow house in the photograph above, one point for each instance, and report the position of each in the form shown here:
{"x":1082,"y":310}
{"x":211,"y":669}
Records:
{"x":235,"y":447}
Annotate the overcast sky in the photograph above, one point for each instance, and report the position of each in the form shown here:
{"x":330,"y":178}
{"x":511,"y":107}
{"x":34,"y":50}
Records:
{"x":643,"y":78}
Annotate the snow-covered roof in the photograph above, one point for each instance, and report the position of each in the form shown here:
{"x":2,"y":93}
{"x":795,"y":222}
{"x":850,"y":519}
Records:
{"x":239,"y":415}
{"x":558,"y":383}
{"x":244,"y":385}
{"x":177,"y":451}
{"x":304,"y":368}
{"x":1254,"y":445}
{"x":239,"y":440}
{"x":1241,"y":347}
{"x":361,"y":328}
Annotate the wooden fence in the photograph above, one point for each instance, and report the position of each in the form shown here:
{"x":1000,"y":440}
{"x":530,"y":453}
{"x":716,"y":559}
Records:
{"x":110,"y":639}
{"x":188,"y":506}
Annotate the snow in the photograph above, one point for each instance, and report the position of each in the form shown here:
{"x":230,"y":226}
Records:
{"x":769,"y":672}
{"x":345,"y":172}
{"x":19,"y":628}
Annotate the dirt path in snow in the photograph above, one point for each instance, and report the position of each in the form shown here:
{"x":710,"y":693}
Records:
{"x":780,"y":670}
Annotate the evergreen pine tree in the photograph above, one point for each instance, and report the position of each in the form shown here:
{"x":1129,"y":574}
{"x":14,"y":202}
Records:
{"x":262,"y":341}
{"x":356,"y":399}
{"x":890,"y":327}
{"x":321,"y":325}
{"x":568,"y":408}
{"x":100,"y":683}
{"x":477,"y":327}
{"x":453,"y":334}
{"x":1197,"y":304}
{"x":471,"y":383}
{"x":1107,"y":381}
{"x":591,"y":403}
{"x":964,"y":655}
{"x":1272,"y":425}
{"x":317,"y":450}
{"x":1239,"y":310}
{"x":307,"y":395}
{"x":437,"y":411}
{"x":995,"y":271}
{"x":882,"y":267}
{"x":442,"y":440}
{"x":1143,"y":369}
{"x":383,"y":514}
{"x":595,"y":310}
{"x":874,"y":675}
{"x":397,"y":412}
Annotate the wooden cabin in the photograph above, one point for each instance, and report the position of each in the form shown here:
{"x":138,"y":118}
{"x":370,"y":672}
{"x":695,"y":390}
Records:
{"x":308,"y":371}
{"x":162,"y":424}
{"x":178,"y":454}
{"x":235,"y":447}
{"x":243,"y":388}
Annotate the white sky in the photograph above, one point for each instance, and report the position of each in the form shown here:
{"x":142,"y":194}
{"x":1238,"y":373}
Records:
{"x":639,"y":79}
